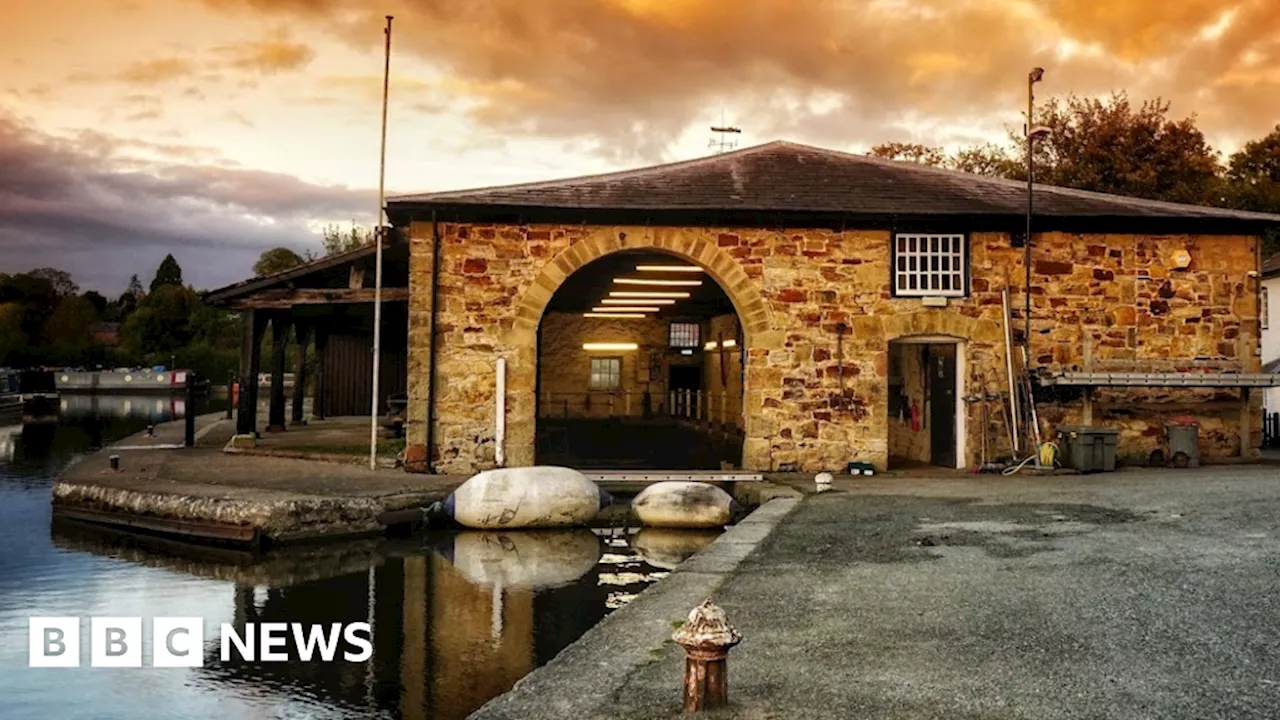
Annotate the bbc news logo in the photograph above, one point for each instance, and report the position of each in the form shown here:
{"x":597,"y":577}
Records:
{"x":179,"y":642}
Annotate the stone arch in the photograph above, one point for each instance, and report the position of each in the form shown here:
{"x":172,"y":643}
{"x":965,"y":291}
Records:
{"x":940,"y":323}
{"x":685,"y":244}
{"x":690,"y":245}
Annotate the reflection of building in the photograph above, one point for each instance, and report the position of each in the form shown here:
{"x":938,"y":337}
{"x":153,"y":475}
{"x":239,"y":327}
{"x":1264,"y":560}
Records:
{"x":152,"y":408}
{"x":10,"y":439}
{"x":446,"y":639}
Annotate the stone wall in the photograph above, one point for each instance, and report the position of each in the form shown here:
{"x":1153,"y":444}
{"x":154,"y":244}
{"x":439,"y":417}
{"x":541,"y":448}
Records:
{"x":818,"y":315}
{"x":564,"y":383}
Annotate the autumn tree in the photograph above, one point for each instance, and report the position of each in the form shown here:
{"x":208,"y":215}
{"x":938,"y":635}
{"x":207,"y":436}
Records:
{"x":1253,"y":174}
{"x":59,"y":280}
{"x":1115,"y":147}
{"x":276,"y":260}
{"x":169,"y":273}
{"x":910,"y":152}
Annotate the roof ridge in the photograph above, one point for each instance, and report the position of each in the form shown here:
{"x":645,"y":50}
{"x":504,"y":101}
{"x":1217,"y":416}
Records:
{"x":611,"y":175}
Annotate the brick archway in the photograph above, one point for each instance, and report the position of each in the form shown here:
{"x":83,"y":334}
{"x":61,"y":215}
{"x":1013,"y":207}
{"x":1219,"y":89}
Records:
{"x":688,"y":245}
{"x":741,"y":289}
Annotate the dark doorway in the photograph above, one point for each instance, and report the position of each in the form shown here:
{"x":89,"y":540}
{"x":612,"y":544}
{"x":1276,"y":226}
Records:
{"x":686,"y":377}
{"x":942,"y":404}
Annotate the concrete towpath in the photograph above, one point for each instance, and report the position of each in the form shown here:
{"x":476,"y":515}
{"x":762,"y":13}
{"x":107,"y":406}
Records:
{"x":205,"y":490}
{"x":1139,"y":594}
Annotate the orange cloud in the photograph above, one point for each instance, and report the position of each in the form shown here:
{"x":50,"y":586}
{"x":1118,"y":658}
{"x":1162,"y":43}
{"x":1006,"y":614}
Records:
{"x":154,"y":72}
{"x":267,"y":56}
{"x":633,"y":74}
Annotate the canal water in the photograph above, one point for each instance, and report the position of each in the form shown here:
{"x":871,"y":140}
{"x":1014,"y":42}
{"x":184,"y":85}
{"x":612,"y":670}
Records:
{"x":456,"y":618}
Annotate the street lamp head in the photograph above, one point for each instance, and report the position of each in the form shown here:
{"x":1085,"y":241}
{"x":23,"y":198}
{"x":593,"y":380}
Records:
{"x":1036,"y":75}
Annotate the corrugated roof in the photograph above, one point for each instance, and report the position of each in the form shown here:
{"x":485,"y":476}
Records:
{"x":788,"y":177}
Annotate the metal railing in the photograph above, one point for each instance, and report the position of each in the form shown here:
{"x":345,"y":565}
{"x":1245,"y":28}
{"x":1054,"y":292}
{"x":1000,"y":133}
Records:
{"x":711,"y":408}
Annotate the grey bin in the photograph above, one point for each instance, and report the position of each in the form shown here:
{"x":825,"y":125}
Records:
{"x":1184,"y":443}
{"x":1088,"y":448}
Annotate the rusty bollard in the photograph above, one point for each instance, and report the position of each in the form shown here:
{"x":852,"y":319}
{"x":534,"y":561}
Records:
{"x":706,"y":638}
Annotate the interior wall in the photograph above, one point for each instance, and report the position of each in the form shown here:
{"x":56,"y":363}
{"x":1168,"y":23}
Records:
{"x":564,"y":382}
{"x":907,"y":379}
{"x":722,"y":370}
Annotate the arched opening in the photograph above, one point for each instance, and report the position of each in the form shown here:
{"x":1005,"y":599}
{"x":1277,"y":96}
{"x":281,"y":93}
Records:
{"x":640,"y":366}
{"x":926,"y":402}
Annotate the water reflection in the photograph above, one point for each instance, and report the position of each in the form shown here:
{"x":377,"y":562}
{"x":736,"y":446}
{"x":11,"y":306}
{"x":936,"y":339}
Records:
{"x":457,"y":618}
{"x":151,"y":408}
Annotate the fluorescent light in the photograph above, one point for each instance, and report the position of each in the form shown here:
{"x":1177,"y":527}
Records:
{"x":613,"y":315}
{"x":709,"y":346}
{"x":730,"y":343}
{"x":609,"y":346}
{"x":624,"y":309}
{"x":686,"y":352}
{"x":646,"y":301}
{"x":668,"y":268}
{"x":645,"y":281}
{"x":650,"y":294}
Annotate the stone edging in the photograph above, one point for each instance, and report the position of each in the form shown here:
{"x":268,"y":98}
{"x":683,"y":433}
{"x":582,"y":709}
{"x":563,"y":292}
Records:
{"x":591,"y":670}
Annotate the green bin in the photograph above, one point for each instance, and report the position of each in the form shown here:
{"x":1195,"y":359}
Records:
{"x":1088,"y":448}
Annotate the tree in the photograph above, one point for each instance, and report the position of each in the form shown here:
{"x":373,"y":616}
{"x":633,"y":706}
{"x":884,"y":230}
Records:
{"x":14,"y":345}
{"x":989,"y":159}
{"x":276,"y":260}
{"x":1114,"y":147}
{"x":68,"y":332}
{"x":336,"y":240}
{"x":162,"y":322}
{"x":1253,"y":175}
{"x":911,"y":152}
{"x":169,"y":273}
{"x":98,"y":302}
{"x":60,"y":280}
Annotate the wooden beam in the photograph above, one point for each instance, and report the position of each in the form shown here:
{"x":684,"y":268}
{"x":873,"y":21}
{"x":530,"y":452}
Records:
{"x":283,"y":299}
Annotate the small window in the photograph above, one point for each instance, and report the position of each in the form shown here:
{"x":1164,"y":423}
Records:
{"x":606,"y":373}
{"x":930,"y":265}
{"x":684,"y":335}
{"x":1266,"y":309}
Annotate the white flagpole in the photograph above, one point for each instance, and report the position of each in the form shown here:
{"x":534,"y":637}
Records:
{"x":377,"y":234}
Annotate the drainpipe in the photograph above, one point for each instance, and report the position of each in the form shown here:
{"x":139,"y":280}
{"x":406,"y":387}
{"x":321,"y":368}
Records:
{"x":500,"y":414}
{"x":431,"y":338}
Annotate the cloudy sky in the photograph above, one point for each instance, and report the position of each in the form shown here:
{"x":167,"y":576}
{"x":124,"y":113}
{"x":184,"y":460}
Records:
{"x":215,"y":129}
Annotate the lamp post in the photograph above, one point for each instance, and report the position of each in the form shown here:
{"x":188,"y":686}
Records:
{"x":1034,"y":77}
{"x":377,"y":238}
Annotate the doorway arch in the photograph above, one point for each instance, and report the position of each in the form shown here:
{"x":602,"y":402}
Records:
{"x":683,"y":244}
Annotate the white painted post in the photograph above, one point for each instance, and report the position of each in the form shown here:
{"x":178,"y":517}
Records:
{"x":697,"y":403}
{"x":500,"y":414}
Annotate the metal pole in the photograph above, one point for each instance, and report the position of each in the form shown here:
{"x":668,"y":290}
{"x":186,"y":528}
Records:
{"x":1033,"y":78}
{"x":377,"y":233}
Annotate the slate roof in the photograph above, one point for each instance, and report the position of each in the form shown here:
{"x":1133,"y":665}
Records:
{"x":1271,"y":266}
{"x":786,"y":177}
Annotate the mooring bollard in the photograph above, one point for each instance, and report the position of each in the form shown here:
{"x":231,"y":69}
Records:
{"x":706,"y":638}
{"x":823,"y":481}
{"x":151,"y":431}
{"x":115,"y":462}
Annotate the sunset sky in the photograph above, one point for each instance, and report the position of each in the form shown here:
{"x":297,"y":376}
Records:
{"x":216,"y":129}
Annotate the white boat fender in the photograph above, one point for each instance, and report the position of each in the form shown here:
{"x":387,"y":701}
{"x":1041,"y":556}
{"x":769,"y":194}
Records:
{"x":526,"y":497}
{"x":684,"y":504}
{"x":525,"y":559}
{"x":668,"y":547}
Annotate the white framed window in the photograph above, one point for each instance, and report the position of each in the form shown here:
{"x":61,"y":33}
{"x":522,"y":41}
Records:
{"x":1266,"y":309}
{"x":930,"y":265}
{"x":606,"y":373}
{"x":684,"y":335}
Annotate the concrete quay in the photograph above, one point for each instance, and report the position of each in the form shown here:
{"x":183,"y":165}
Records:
{"x":1135,"y":594}
{"x":203,"y":493}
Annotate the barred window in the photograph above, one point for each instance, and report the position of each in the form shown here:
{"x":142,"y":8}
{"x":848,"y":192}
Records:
{"x":684,"y":335}
{"x":930,"y":265}
{"x":606,"y":373}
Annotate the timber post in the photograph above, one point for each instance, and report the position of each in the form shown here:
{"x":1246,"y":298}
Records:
{"x":231,"y":384}
{"x":189,"y":413}
{"x":706,"y":638}
{"x":254,"y":328}
{"x":302,"y":332}
{"x":279,"y":338}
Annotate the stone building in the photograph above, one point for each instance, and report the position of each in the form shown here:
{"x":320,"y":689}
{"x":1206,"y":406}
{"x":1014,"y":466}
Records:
{"x":805,"y":308}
